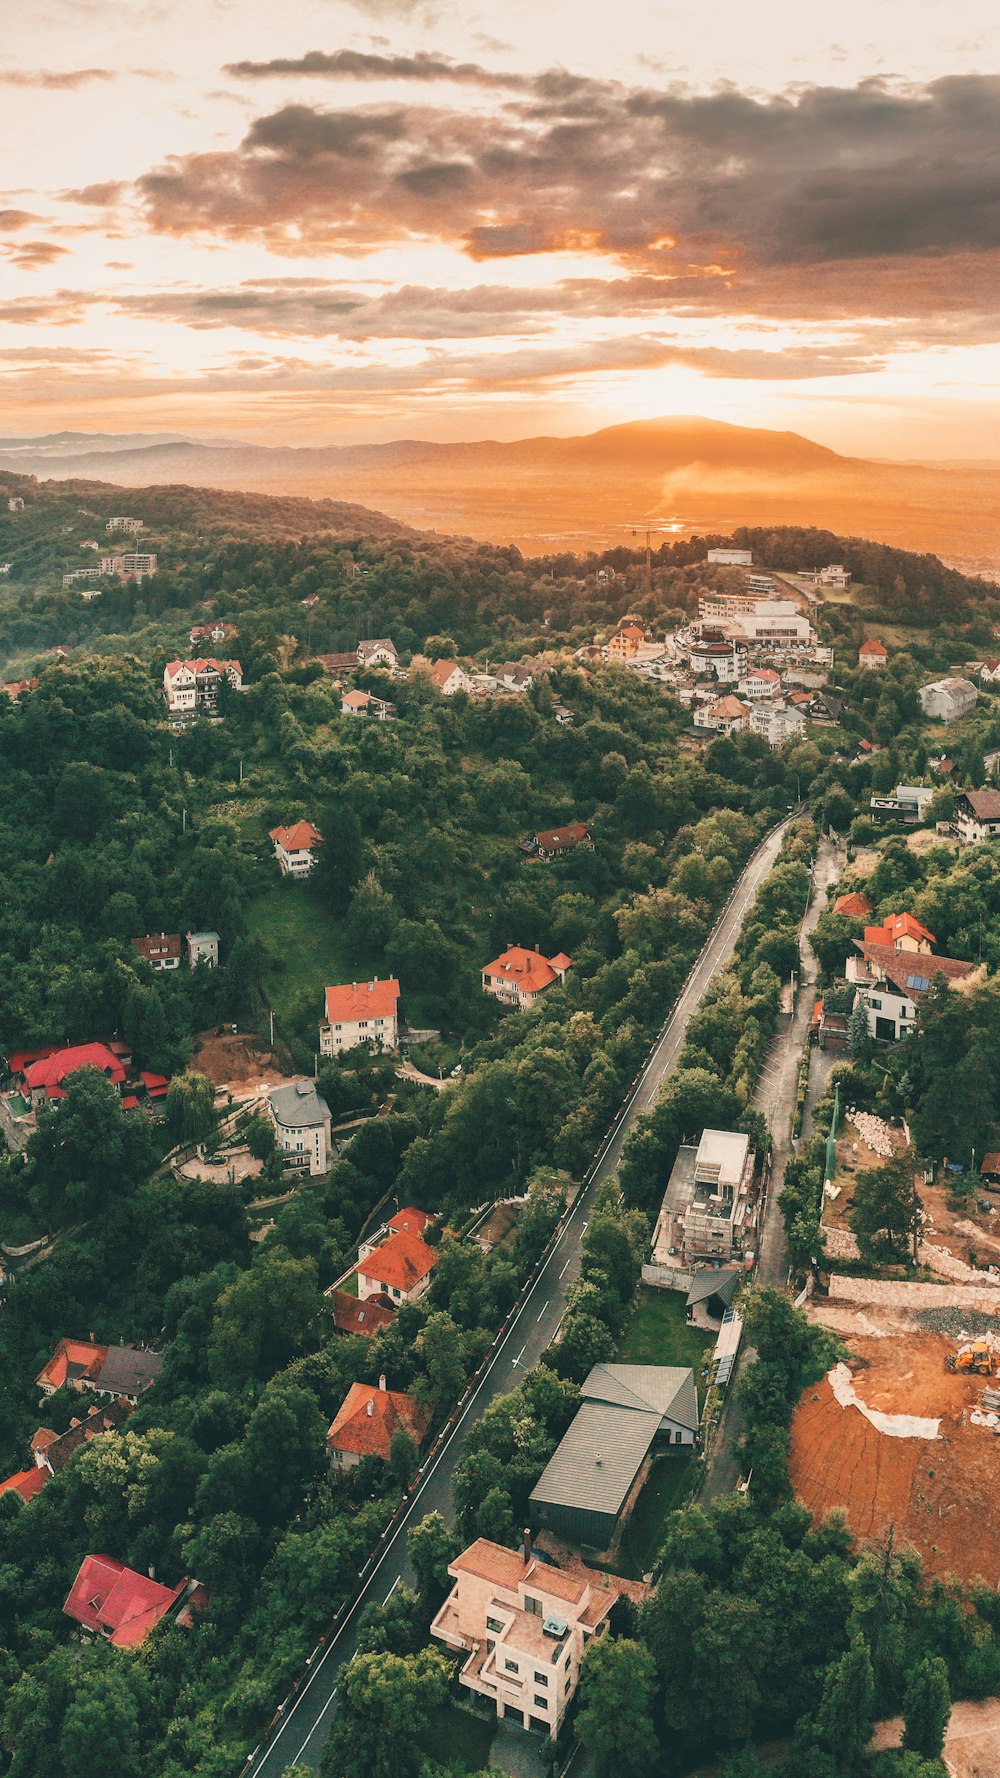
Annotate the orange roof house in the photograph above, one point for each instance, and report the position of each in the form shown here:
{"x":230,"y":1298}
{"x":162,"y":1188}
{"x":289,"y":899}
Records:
{"x":294,"y":847}
{"x":410,"y":1221}
{"x":356,"y":1315}
{"x":107,"y":1599}
{"x":76,"y":1362}
{"x":399,"y":1269}
{"x":46,"y":1079}
{"x":518,"y":976}
{"x":369,"y":1419}
{"x":853,"y":905}
{"x":902,"y":932}
{"x":26,"y":1483}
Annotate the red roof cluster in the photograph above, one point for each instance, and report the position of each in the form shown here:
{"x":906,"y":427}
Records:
{"x":369,"y":1418}
{"x":114,"y":1601}
{"x":57,"y":1067}
{"x":896,"y":927}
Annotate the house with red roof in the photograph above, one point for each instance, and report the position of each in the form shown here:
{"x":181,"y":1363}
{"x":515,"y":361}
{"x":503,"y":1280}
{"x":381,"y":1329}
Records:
{"x":162,"y":950}
{"x":555,"y":842}
{"x":902,"y":932}
{"x":873,"y":656}
{"x":191,"y":688}
{"x":355,"y":1315}
{"x":518,"y":976}
{"x":450,"y":677}
{"x":627,"y":640}
{"x":117,"y":1371}
{"x":853,"y":905}
{"x":398,"y":1270}
{"x":361,"y":703}
{"x":45,"y":1080}
{"x":295,"y":847}
{"x":977,"y":816}
{"x":369,"y":1420}
{"x":25,"y":1484}
{"x":892,"y":982}
{"x":107,"y":1599}
{"x":360,"y":1012}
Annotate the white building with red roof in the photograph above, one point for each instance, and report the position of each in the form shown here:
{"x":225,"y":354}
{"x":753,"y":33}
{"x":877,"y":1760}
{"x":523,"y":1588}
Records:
{"x":107,"y":1599}
{"x":518,"y":976}
{"x":397,"y":1270}
{"x":368,"y":1421}
{"x":360,"y":1012}
{"x":191,"y":688}
{"x":362,"y":703}
{"x":450,"y":677}
{"x":295,"y":847}
{"x":873,"y":656}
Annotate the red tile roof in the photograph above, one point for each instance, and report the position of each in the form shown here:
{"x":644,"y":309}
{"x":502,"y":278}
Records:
{"x":528,"y":970}
{"x":118,"y":1603}
{"x":302,"y":836}
{"x":72,"y":1360}
{"x":400,"y":1263}
{"x":370,"y":1434}
{"x":27,"y":1482}
{"x":895,"y":927}
{"x":54,"y":1069}
{"x":158,"y":945}
{"x":410,"y":1221}
{"x":156,"y":1085}
{"x":559,"y":839}
{"x":352,"y":1316}
{"x":874,"y":647}
{"x":729,"y":707}
{"x":853,"y":904}
{"x":352,"y":1001}
{"x":985,"y":804}
{"x":442,"y":671}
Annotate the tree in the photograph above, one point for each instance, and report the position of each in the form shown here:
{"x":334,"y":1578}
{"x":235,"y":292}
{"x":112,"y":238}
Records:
{"x":87,"y":1150}
{"x":859,"y":1042}
{"x":927,"y":1707}
{"x":190,"y":1107}
{"x":432,"y":1545}
{"x":402,"y":1457}
{"x":885,"y":1212}
{"x":615,"y":1721}
{"x":845,"y":1717}
{"x":260,"y":1138}
{"x":263,"y":1318}
{"x":383,"y":1702}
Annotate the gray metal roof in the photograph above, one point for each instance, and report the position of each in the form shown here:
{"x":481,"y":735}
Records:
{"x":667,"y":1390}
{"x":710,"y":1283}
{"x":129,"y":1369}
{"x":297,"y":1105}
{"x":599,"y":1458}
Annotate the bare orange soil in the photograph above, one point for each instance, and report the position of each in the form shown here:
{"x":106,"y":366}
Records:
{"x":939,"y":1494}
{"x":234,"y":1060}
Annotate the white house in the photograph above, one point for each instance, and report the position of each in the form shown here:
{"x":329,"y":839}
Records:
{"x":891,"y":984}
{"x":360,"y":1012}
{"x":515,"y":676}
{"x":379,"y":653}
{"x":873,"y":656}
{"x":522,"y":1626}
{"x":398,"y":1269}
{"x":728,"y":715}
{"x":301,"y":1119}
{"x":977,"y":815}
{"x":361,"y":703}
{"x":191,"y":688}
{"x":835,"y":575}
{"x":721,"y":658}
{"x":295,"y":847}
{"x":518,"y":976}
{"x":449,"y":678}
{"x":778,"y":723}
{"x":202,"y":947}
{"x":15,"y":503}
{"x":759,"y":682}
{"x":948,"y":699}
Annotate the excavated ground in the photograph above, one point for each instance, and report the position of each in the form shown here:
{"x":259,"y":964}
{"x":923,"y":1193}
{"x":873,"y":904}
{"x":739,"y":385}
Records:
{"x":938,"y":1493}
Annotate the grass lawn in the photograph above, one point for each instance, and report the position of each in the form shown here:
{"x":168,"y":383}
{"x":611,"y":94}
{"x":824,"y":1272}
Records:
{"x":349,"y":1285}
{"x":658,"y":1333}
{"x":454,"y":1737}
{"x":669,"y":1485}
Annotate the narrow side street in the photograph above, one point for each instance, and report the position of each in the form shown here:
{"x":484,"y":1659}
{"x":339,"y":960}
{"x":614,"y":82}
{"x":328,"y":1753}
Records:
{"x":775,"y":1099}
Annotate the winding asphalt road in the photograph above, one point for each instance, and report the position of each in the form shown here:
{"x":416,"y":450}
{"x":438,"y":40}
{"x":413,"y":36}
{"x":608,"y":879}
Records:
{"x":305,"y":1718}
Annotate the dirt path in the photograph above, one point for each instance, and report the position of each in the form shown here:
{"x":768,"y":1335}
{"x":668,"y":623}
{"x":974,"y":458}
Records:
{"x":972,"y":1744}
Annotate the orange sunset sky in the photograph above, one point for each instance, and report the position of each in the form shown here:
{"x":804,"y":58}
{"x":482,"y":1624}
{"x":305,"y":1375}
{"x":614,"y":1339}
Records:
{"x":367,"y":219}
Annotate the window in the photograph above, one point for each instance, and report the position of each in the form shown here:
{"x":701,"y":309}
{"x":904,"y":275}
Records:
{"x":532,"y":1605}
{"x":541,"y":1703}
{"x":510,"y":1666}
{"x":541,"y":1679}
{"x":493,"y":1623}
{"x":395,"y":1292}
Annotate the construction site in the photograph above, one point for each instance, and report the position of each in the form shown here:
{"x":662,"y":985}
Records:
{"x":904,"y":1431}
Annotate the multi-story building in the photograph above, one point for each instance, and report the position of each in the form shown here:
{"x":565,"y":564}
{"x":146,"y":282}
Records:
{"x":450,"y":677}
{"x":778,"y":723}
{"x":759,"y":682}
{"x":730,"y":558}
{"x":82,"y":577}
{"x":708,"y":1209}
{"x":134,"y":565}
{"x":518,"y":976}
{"x":977,"y":815}
{"x":948,"y":699}
{"x":191,"y":688}
{"x":360,"y":1012}
{"x":873,"y":656}
{"x":627,"y":641}
{"x":891,"y":984}
{"x":523,"y":1626}
{"x":202,"y":947}
{"x":295,"y":848}
{"x":132,"y":526}
{"x":301,"y":1119}
{"x":728,"y":715}
{"x":379,"y":653}
{"x":397,"y":1270}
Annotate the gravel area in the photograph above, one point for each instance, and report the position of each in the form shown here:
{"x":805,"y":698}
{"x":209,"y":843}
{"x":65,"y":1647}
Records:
{"x":955,"y":1322}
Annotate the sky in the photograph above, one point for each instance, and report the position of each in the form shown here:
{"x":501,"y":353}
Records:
{"x":333,"y":221}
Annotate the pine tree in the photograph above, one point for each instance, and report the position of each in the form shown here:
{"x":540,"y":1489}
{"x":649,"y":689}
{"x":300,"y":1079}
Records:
{"x":845,"y":1715}
{"x":927,"y":1707}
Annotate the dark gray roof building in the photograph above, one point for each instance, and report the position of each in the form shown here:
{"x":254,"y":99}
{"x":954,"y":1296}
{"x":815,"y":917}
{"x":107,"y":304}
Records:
{"x":128,"y":1370}
{"x":626,"y":1408}
{"x":298,"y":1105}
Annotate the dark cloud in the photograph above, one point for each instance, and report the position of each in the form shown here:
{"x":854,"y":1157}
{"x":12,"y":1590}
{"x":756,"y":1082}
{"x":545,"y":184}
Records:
{"x":818,"y":175}
{"x":55,"y":79}
{"x":353,"y":64}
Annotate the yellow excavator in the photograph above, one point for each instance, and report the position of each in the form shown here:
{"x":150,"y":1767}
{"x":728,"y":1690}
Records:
{"x":976,"y":1356}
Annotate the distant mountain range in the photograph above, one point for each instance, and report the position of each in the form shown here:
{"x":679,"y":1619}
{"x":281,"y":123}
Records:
{"x":548,"y":493}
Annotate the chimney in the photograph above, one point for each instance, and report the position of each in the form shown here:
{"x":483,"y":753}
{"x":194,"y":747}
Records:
{"x":371,"y":1407}
{"x":526,"y":1546}
{"x":381,"y":1382}
{"x":354,"y":985}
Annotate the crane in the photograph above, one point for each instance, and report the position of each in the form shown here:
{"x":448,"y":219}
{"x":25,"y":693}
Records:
{"x":648,"y":528}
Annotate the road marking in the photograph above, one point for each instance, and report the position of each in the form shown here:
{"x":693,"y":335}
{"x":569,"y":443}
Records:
{"x":567,"y":1265}
{"x":520,"y":1355}
{"x":392,"y":1589}
{"x":545,"y":1305}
